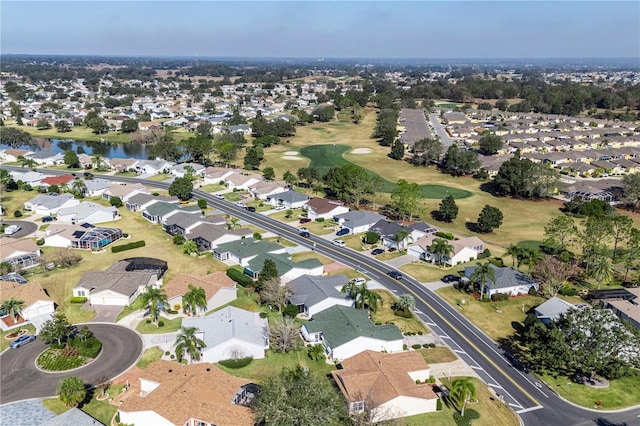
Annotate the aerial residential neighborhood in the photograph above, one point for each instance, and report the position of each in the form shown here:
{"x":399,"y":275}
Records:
{"x":231,"y":213}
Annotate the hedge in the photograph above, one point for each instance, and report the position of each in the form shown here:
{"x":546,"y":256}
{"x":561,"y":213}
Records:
{"x":499,"y":297}
{"x":78,"y":299}
{"x":445,"y":235}
{"x":416,"y":346}
{"x":90,"y":348}
{"x":239,"y":277}
{"x":236,"y":363}
{"x":128,"y":246}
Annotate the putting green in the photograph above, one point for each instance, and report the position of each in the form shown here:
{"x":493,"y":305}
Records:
{"x":325,"y":157}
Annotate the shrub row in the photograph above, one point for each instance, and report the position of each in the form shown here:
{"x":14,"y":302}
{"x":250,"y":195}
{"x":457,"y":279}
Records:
{"x":239,"y":277}
{"x":499,"y":297}
{"x":445,"y":235}
{"x":89,"y":348}
{"x":128,"y":246}
{"x":78,"y":299}
{"x":236,"y":363}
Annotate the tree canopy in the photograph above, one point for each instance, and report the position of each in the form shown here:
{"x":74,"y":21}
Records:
{"x":521,"y":177}
{"x":459,"y":162}
{"x":490,"y":144}
{"x":489,"y":219}
{"x":181,"y":187}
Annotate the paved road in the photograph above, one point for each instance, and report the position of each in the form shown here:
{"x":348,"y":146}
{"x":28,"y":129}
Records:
{"x":441,"y":131}
{"x":524,"y":393}
{"x":27,"y":228}
{"x":21,"y":379}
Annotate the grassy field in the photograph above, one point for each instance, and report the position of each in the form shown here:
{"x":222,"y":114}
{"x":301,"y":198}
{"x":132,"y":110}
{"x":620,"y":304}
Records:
{"x":304,"y":255}
{"x":77,"y":133}
{"x":385,"y":314}
{"x":494,"y":318}
{"x":148,"y":356}
{"x":621,"y":393}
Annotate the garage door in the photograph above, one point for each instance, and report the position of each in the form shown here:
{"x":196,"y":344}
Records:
{"x":117,"y":301}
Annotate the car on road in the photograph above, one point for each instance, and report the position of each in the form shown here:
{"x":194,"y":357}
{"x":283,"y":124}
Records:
{"x":343,"y":231}
{"x":450,"y":278}
{"x":339,"y":243}
{"x":12,"y":229}
{"x":305,"y":220}
{"x":240,"y":204}
{"x":22,"y":340}
{"x":218,"y":196}
{"x":377,"y":251}
{"x":250,"y":209}
{"x":358,"y":281}
{"x":305,"y":234}
{"x":395,"y":274}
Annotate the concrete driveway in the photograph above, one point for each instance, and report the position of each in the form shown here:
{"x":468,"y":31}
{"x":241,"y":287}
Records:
{"x":104,"y":313}
{"x":399,"y":261}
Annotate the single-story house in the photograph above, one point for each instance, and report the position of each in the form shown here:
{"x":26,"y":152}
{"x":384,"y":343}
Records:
{"x":28,"y":177}
{"x":387,"y":386}
{"x":19,"y":253}
{"x":96,"y":186}
{"x":11,"y":154}
{"x":123,"y":164}
{"x":140,"y":201}
{"x":181,"y":170}
{"x":241,"y":181}
{"x":358,"y":221}
{"x":73,"y":416}
{"x":207,"y":236}
{"x":287,"y":268}
{"x":166,"y":393}
{"x":263,"y":189}
{"x":290,"y":199}
{"x":88,"y":212}
{"x":160,"y":211}
{"x":323,"y":208}
{"x":464,"y":249}
{"x":231,"y":333}
{"x":153,"y":167}
{"x":346,"y":332}
{"x":213,"y":175}
{"x":508,"y":281}
{"x":552,"y":310}
{"x":82,"y":236}
{"x":623,"y":303}
{"x":36,"y":302}
{"x":218,"y":287}
{"x":182,"y":222}
{"x":242,"y":251}
{"x":124,"y":191}
{"x":57,"y":180}
{"x":312,"y":294}
{"x":119,"y":288}
{"x":48,"y":158}
{"x":50,"y":204}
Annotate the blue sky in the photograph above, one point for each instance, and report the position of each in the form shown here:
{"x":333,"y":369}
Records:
{"x":357,"y":29}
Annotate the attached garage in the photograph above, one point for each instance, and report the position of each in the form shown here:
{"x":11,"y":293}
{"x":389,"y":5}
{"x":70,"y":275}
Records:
{"x":108,"y":298}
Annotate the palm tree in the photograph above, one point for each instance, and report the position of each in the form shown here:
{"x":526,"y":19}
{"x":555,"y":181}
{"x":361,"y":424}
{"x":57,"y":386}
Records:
{"x":482,"y":274}
{"x":441,"y":248}
{"x":72,"y":391}
{"x":601,"y":270}
{"x":514,"y":251}
{"x":30,"y":163}
{"x":531,"y":257}
{"x":351,"y":289}
{"x":371,"y":298}
{"x":12,"y":307}
{"x":190,"y":247}
{"x":405,"y":302}
{"x":400,"y":237}
{"x":463,"y":390}
{"x":97,"y":161}
{"x":188,"y":342}
{"x":194,"y":299}
{"x":78,"y":186}
{"x":233,"y":223}
{"x":63,"y":187}
{"x":153,"y":297}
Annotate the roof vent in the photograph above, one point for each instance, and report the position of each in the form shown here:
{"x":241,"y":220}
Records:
{"x":170,"y":370}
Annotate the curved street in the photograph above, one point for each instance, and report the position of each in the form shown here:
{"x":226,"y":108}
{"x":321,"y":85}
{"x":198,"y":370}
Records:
{"x":524,"y":393}
{"x":21,"y":379}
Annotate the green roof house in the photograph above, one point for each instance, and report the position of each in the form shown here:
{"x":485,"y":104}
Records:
{"x":346,"y":332}
{"x":242,"y":251}
{"x":287,"y":268}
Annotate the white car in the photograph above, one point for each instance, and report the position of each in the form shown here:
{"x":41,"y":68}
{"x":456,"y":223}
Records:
{"x":279,"y":208}
{"x":218,"y":196}
{"x":339,"y":243}
{"x":358,"y":281}
{"x":240,"y":204}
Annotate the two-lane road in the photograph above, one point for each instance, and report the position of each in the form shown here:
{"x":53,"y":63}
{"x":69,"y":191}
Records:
{"x":535,"y":404}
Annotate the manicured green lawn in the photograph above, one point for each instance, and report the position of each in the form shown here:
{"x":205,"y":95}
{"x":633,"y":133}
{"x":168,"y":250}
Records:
{"x":621,"y":393}
{"x":151,"y":328}
{"x":150,"y":355}
{"x":135,"y":306}
{"x":385,"y":315}
{"x":211,"y":187}
{"x":425,"y":273}
{"x":102,"y":411}
{"x":437,"y":355}
{"x":4,"y":343}
{"x":159,"y":177}
{"x":325,"y":157}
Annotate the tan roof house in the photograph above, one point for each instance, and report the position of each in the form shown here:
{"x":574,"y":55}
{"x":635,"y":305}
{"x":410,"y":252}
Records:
{"x":385,"y":384}
{"x":168,"y":393}
{"x":218,"y":287}
{"x":36,"y":302}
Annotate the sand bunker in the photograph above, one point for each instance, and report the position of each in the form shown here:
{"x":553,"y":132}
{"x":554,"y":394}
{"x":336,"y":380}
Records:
{"x":291,"y":157}
{"x":361,"y":151}
{"x":291,"y":153}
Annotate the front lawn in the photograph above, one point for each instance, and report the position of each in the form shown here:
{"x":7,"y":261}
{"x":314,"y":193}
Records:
{"x":159,"y":177}
{"x":494,"y":318}
{"x":385,"y":315}
{"x":149,"y":355}
{"x":135,"y":306}
{"x":212,"y":187}
{"x":426,"y":273}
{"x":103,"y":411}
{"x":304,"y":255}
{"x":169,"y":326}
{"x":621,"y":393}
{"x":320,"y":228}
{"x":437,"y":355}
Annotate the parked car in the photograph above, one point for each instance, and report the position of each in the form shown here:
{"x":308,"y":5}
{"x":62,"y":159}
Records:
{"x":305,"y":220}
{"x":218,"y":196}
{"x":46,"y":219}
{"x":343,"y":231}
{"x":395,"y":274}
{"x":279,"y":207}
{"x":358,"y":281}
{"x":250,"y":209}
{"x":377,"y":251}
{"x":339,"y":243}
{"x":450,"y":278}
{"x":12,"y":229}
{"x":22,"y":340}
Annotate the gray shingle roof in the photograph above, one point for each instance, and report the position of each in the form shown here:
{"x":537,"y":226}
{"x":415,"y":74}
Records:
{"x":552,"y":308}
{"x":50,"y":201}
{"x":212,"y":232}
{"x":355,"y":219}
{"x":126,"y":283}
{"x":290,"y":196}
{"x":73,"y":417}
{"x":230,"y":323}
{"x":505,"y":277}
{"x":309,"y":290}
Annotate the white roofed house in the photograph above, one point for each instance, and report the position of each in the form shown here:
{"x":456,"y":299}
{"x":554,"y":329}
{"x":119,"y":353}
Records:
{"x":231,"y":333}
{"x":213,"y":175}
{"x":507,"y":281}
{"x":48,"y":158}
{"x":323,"y":208}
{"x":290,"y":199}
{"x":96,"y":186}
{"x":153,"y":167}
{"x":124,"y":191}
{"x":463,"y":250}
{"x":48,"y":204}
{"x":358,"y":221}
{"x":181,"y":170}
{"x":29,"y":177}
{"x":241,"y":181}
{"x":264,"y":189}
{"x":88,"y":212}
